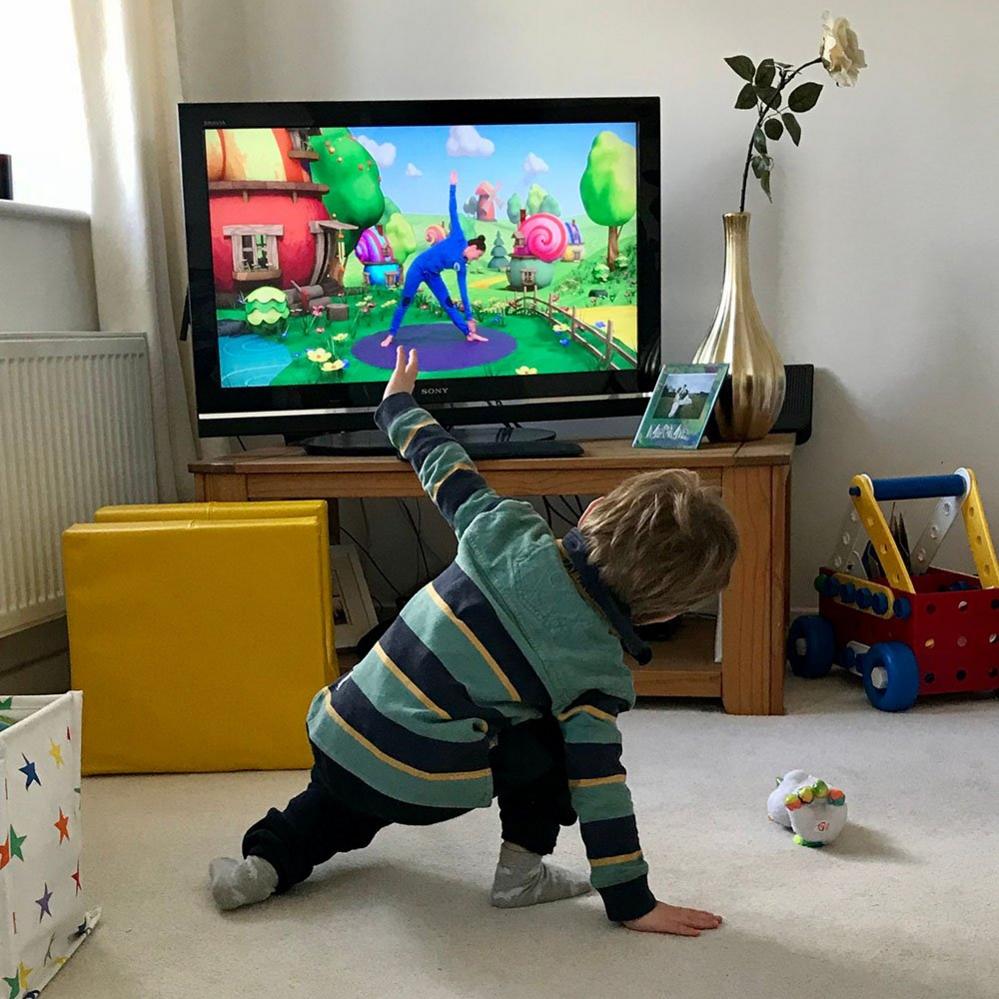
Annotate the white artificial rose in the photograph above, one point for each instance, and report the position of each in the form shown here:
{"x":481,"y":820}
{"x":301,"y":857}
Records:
{"x":842,"y":57}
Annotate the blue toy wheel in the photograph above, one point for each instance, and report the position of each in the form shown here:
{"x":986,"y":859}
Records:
{"x":811,"y":646}
{"x":891,"y":676}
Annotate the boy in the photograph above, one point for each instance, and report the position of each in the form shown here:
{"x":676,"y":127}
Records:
{"x":504,"y":675}
{"x":453,"y":253}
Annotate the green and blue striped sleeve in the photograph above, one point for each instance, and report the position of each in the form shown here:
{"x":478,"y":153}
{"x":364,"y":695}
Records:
{"x":600,"y":796}
{"x":443,"y":467}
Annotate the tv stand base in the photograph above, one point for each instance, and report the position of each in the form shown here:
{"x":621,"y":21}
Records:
{"x":479,"y":442}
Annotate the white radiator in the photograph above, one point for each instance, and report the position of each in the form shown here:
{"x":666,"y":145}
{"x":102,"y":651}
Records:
{"x":75,"y":433}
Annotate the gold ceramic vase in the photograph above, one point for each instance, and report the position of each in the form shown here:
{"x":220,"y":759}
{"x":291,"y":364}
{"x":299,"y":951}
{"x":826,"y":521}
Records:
{"x":753,"y":394}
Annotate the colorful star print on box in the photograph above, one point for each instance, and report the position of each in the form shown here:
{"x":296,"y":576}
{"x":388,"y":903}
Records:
{"x":62,"y":824}
{"x":30,"y":773}
{"x":42,"y":901}
{"x":16,"y":844}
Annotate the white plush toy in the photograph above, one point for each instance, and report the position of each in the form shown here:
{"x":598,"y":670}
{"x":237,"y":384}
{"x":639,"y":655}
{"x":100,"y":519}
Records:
{"x":807,"y":805}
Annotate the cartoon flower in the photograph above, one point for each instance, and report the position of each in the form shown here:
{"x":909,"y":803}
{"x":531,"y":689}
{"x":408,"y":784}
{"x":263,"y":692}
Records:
{"x":525,"y":370}
{"x":317,"y":310}
{"x":333,"y":365}
{"x":340,"y":337}
{"x":319,"y":355}
{"x":560,"y":328}
{"x":320,"y":329}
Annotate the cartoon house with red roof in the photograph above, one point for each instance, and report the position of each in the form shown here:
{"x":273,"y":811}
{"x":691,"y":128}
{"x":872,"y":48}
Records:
{"x":486,"y":207}
{"x":269,"y":225}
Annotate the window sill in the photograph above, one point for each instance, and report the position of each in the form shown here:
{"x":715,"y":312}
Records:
{"x":42,"y":213}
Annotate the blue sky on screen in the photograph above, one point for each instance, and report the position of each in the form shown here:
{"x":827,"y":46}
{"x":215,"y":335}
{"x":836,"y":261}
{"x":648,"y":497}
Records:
{"x":416,"y":161}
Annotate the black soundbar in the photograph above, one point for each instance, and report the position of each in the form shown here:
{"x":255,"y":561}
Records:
{"x":796,"y":413}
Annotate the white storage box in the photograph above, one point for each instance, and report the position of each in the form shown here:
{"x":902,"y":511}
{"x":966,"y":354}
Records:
{"x":43,"y":914}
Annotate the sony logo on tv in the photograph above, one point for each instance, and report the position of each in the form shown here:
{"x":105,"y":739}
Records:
{"x":435,"y":390}
{"x":215,"y":124}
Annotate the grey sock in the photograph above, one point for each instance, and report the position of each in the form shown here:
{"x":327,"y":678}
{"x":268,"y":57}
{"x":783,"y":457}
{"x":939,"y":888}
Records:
{"x":523,"y":878}
{"x":241,"y":882}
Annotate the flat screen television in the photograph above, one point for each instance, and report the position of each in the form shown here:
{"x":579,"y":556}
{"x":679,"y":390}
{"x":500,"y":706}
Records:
{"x":322,"y":234}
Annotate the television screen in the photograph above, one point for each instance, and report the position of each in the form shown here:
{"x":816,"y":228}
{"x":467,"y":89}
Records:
{"x":504,"y":250}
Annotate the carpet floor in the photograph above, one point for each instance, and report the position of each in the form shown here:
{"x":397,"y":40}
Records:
{"x":903,"y":905}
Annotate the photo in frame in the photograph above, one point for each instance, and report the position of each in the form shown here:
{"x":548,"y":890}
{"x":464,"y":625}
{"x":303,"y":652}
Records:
{"x":680,"y":406}
{"x":353,"y":612}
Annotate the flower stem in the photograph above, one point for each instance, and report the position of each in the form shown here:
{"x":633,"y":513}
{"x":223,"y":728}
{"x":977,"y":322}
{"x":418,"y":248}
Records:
{"x":764,"y":110}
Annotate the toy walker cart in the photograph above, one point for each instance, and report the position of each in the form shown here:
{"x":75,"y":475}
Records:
{"x":928,"y":631}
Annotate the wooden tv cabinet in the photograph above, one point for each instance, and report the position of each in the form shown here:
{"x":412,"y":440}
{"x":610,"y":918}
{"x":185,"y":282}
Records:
{"x":755,"y":482}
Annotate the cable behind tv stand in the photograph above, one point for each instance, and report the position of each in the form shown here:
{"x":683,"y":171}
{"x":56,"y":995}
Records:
{"x":480,"y":443}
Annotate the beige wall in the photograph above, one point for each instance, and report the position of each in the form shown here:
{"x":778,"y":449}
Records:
{"x":46,"y":270}
{"x":878,"y":261}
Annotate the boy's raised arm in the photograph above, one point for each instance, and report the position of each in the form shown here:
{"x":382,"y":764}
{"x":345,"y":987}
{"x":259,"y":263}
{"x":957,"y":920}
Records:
{"x":442,"y":465}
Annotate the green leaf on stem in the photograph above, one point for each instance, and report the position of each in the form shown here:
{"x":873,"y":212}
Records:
{"x":742,"y":65}
{"x":747,"y":97}
{"x":760,"y":140}
{"x":765,"y":184}
{"x":773,"y":128}
{"x":769,"y":96}
{"x":803,"y":97}
{"x":792,"y":126}
{"x":765,"y":73}
{"x":761,"y":164}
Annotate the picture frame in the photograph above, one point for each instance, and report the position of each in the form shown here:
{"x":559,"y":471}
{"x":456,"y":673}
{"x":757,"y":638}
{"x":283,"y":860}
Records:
{"x":680,"y":406}
{"x":353,"y":612}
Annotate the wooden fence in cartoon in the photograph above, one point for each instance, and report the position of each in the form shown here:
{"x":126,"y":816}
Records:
{"x":607,"y":350}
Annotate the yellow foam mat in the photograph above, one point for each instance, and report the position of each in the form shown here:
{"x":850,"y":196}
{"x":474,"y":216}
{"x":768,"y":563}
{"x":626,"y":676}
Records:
{"x":198,"y":643}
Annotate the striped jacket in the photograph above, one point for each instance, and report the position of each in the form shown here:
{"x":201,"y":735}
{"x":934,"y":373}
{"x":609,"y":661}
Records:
{"x":503,"y":635}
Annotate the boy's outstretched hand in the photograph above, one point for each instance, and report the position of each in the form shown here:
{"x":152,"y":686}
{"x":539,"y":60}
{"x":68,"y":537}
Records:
{"x":674,"y":919}
{"x":404,"y":376}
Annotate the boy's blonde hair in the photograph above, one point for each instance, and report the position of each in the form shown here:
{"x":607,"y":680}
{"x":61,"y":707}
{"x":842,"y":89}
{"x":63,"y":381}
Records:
{"x":662,"y":541}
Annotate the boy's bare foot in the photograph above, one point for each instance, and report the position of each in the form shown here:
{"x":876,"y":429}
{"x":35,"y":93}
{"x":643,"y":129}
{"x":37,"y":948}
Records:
{"x":236,"y":883}
{"x":387,"y":342}
{"x":476,"y":338}
{"x":522,"y":878}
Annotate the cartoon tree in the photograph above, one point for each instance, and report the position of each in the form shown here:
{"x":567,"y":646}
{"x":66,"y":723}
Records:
{"x":391,"y":208}
{"x":550,"y":205}
{"x":471,"y":206}
{"x":499,"y":260}
{"x":355,"y":186}
{"x":607,"y":187}
{"x":267,"y":310}
{"x":401,"y":237}
{"x":535,"y":196}
{"x":513,"y":207}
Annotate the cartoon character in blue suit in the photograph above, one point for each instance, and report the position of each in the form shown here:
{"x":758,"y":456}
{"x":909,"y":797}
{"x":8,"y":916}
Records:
{"x":452,"y":253}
